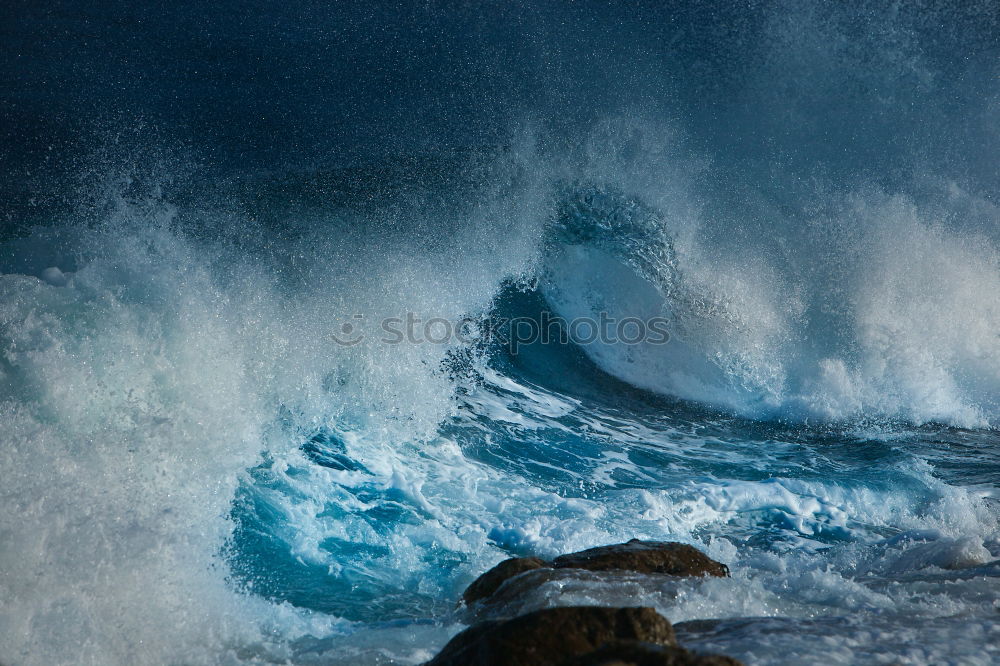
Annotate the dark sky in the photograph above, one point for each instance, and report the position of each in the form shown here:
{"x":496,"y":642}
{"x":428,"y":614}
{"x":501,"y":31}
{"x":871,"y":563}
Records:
{"x":287,"y":78}
{"x":269,"y":84}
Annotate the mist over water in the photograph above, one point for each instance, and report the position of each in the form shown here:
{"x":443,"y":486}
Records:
{"x":196,"y":201}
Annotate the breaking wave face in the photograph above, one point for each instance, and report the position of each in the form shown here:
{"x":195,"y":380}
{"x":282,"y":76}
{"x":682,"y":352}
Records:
{"x":869,"y":308}
{"x":195,"y":469}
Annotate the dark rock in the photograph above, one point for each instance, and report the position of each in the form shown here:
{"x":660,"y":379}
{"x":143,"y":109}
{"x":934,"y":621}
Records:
{"x":646,"y":557}
{"x":553,"y":636}
{"x":547,"y":588}
{"x":637,"y":653}
{"x":488,"y":583}
{"x":659,"y":557}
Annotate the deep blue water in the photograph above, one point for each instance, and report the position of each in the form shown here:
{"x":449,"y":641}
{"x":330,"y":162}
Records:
{"x":211,"y":455}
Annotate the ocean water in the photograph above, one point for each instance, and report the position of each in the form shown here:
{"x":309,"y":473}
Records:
{"x":211,"y":454}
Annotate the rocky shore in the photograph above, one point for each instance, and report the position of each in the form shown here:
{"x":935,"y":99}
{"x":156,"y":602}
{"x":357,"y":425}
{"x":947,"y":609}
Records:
{"x":577,"y":635}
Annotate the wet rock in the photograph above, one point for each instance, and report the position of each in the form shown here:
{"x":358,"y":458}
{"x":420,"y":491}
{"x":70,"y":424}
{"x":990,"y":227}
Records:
{"x":548,"y":588}
{"x":487,"y":584}
{"x":553,"y":636}
{"x":636,"y":653}
{"x":646,"y":557}
{"x":659,"y":557}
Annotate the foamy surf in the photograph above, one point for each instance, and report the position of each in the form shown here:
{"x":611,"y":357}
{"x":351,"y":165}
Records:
{"x":264,"y":392}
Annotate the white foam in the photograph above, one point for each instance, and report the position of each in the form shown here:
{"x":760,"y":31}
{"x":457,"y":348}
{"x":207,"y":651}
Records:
{"x":135,"y":397}
{"x":55,"y":277}
{"x":886,"y":314}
